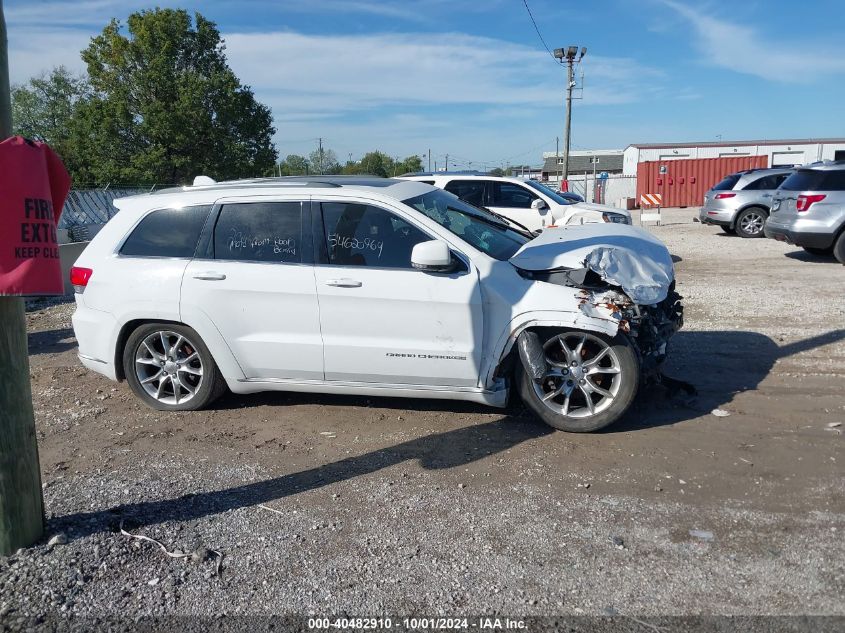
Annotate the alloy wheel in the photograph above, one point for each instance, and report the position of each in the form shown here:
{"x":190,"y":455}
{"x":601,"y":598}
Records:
{"x":168,"y":367}
{"x":583,"y":378}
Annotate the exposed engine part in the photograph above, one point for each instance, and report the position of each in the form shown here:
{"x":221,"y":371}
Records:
{"x":651,"y":327}
{"x":531,"y":354}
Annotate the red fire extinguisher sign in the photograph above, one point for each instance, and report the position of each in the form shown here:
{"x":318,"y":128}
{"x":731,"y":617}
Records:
{"x":33,"y":186}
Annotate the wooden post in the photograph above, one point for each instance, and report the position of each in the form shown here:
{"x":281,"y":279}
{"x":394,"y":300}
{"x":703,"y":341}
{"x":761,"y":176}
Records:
{"x":21,"y":501}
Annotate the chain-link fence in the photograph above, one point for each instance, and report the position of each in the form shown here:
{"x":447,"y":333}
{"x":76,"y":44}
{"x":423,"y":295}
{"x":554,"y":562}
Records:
{"x":87,"y":210}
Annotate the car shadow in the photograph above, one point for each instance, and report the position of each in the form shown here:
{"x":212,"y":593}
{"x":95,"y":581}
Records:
{"x":438,"y":451}
{"x":804,"y":256}
{"x":718,"y":365}
{"x":51,"y":341}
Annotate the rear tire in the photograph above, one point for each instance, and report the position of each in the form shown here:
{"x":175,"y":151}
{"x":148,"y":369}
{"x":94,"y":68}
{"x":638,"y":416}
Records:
{"x":839,"y":248}
{"x":616,"y":372}
{"x":170,"y":368}
{"x":750,"y":222}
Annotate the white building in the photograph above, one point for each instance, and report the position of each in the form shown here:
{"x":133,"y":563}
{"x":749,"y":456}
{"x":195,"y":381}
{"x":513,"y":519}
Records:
{"x":786,"y":152}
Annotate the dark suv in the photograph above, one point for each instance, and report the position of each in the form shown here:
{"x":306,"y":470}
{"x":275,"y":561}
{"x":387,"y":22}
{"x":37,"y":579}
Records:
{"x":809,"y":209}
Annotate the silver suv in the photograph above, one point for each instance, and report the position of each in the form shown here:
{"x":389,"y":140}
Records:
{"x":809,"y":210}
{"x":740,"y":202}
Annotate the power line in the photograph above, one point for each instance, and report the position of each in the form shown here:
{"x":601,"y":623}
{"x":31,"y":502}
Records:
{"x":537,"y":28}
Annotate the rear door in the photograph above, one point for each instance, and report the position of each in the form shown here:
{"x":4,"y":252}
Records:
{"x":384,"y":321}
{"x":254,"y":281}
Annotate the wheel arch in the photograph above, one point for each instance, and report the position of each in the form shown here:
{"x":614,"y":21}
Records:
{"x":506,"y":353}
{"x":750,"y":205}
{"x":220,"y":352}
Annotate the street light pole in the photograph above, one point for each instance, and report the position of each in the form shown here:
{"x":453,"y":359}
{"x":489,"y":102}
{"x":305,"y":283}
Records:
{"x":568,"y":56}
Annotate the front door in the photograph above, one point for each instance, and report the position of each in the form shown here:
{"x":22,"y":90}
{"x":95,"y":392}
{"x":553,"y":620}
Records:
{"x":384,"y":321}
{"x":513,"y":201}
{"x":255,"y":284}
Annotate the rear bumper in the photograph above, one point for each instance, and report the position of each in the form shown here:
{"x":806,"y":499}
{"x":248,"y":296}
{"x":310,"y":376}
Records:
{"x":792,"y":233}
{"x":719,"y":217}
{"x":96,"y":333}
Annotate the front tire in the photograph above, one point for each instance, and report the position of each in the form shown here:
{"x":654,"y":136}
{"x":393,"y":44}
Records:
{"x":591,"y":381}
{"x":170,"y":369}
{"x":750,"y":222}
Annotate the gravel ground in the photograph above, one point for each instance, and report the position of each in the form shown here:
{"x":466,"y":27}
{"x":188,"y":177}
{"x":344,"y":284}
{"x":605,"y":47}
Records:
{"x":310,"y":504}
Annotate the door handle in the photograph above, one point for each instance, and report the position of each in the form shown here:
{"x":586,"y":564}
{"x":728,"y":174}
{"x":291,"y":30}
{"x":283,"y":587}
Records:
{"x":766,"y":195}
{"x":210,"y":276}
{"x":343,"y":283}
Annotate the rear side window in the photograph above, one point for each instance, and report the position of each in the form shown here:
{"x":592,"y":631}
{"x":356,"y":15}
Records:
{"x":803,"y":180}
{"x":259,"y":232}
{"x":727,"y":183}
{"x":167,"y":233}
{"x":471,"y":191}
{"x":833,"y":181}
{"x":766,"y":182}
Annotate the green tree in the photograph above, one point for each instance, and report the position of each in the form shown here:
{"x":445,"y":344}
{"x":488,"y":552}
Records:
{"x":294,"y":165}
{"x":43,"y":107}
{"x":497,"y":171}
{"x":165,"y":106}
{"x":324,"y":162}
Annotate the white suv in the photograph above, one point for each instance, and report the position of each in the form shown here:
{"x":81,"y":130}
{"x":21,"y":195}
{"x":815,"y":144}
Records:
{"x":369,"y":286}
{"x":529,"y":203}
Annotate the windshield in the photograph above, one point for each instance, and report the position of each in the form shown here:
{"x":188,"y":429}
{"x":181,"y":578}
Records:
{"x":548,"y":192}
{"x":477,"y":228}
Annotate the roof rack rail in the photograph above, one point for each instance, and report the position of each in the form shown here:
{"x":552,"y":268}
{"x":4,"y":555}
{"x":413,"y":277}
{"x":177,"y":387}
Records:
{"x":460,"y":172}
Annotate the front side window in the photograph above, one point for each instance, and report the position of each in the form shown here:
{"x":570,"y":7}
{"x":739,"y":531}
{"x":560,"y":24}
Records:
{"x":551,"y":193}
{"x":510,"y":195}
{"x":364,"y":235}
{"x":259,"y":232}
{"x":471,"y":191}
{"x":167,"y":233}
{"x":477,"y":228}
{"x":761,"y":184}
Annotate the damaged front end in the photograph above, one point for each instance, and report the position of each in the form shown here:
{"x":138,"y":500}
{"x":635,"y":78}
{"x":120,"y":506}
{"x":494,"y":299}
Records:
{"x":622,"y":273}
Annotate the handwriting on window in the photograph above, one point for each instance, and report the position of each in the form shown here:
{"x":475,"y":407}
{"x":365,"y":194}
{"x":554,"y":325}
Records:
{"x":240,"y":241}
{"x":366,"y":244}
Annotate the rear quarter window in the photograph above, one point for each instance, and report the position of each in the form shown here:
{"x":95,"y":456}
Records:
{"x":727,"y":183}
{"x":167,"y":233}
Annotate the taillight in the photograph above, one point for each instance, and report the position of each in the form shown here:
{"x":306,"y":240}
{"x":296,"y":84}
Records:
{"x":79,"y":278}
{"x":720,"y":196}
{"x":804,"y":202}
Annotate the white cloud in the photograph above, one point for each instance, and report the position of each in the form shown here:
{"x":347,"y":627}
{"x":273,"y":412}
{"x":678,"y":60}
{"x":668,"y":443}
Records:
{"x":743,"y":49}
{"x":341,"y":73}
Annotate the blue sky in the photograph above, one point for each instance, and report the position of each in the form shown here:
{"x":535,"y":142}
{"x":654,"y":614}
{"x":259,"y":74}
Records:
{"x":473,"y":80}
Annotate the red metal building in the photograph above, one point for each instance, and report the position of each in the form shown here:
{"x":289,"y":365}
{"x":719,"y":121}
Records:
{"x":683,"y":183}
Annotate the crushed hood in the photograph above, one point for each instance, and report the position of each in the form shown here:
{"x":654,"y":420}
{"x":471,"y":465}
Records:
{"x":623,"y":255}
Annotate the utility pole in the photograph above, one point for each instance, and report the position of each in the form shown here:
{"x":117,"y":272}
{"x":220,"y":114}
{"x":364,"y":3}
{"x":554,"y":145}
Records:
{"x":557,"y":159}
{"x":568,"y":56}
{"x":320,"y":154}
{"x":447,"y":162}
{"x":429,"y":159}
{"x":21,"y":501}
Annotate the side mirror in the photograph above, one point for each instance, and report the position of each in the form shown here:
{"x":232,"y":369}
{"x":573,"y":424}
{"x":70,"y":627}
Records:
{"x":432,"y":257}
{"x":539,"y":205}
